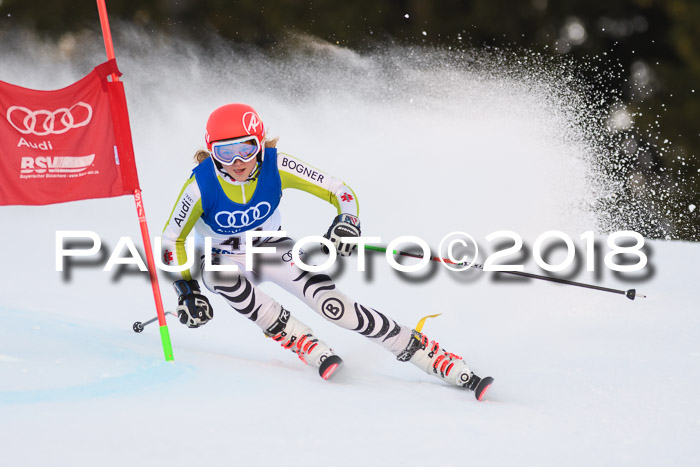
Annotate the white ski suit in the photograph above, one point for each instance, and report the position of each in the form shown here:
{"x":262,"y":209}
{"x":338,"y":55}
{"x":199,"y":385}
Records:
{"x":255,"y":210}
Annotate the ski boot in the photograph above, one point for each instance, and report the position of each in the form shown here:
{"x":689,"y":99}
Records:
{"x":435,"y":360}
{"x":297,"y":337}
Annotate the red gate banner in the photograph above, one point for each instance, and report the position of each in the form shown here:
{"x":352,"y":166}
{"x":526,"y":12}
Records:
{"x":65,"y":145}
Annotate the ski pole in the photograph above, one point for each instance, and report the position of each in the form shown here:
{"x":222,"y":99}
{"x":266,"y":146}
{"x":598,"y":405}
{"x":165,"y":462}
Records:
{"x":631,"y":293}
{"x":138,"y":325}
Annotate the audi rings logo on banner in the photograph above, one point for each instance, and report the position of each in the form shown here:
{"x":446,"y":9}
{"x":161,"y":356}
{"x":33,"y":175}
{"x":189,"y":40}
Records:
{"x":239,"y":219}
{"x":46,"y":122}
{"x":251,"y":122}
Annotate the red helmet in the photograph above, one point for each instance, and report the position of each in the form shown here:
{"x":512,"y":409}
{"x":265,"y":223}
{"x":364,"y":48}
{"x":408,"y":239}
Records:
{"x":234,"y":121}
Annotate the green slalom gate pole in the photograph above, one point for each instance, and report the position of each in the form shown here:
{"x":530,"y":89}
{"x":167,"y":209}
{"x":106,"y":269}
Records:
{"x":631,"y":293}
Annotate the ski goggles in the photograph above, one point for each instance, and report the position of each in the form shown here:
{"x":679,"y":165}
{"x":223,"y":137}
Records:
{"x":230,"y":150}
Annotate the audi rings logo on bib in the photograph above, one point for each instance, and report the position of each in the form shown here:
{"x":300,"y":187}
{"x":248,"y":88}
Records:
{"x":46,"y":122}
{"x":240,"y":219}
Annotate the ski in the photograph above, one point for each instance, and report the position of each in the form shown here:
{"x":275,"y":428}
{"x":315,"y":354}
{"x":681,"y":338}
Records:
{"x":329,"y":366}
{"x":479,"y":386}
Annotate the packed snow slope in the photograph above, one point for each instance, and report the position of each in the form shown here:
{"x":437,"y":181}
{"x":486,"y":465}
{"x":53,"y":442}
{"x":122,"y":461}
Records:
{"x":430,"y":146}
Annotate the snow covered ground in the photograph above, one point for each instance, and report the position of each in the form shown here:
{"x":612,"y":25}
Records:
{"x":582,"y":377}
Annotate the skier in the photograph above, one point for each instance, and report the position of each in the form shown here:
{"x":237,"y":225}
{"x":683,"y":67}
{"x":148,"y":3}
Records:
{"x":235,"y":188}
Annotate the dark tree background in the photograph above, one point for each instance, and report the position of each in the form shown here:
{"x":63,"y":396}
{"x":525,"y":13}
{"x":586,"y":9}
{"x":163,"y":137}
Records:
{"x":653,"y":42}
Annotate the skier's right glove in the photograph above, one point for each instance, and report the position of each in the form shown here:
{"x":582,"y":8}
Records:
{"x":193,"y":309}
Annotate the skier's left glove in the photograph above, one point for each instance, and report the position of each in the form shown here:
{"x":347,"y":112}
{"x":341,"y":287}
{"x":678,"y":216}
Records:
{"x":193,"y":309}
{"x":344,"y":225}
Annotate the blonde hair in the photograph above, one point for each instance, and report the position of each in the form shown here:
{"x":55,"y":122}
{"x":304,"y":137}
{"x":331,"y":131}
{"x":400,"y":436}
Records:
{"x":202,"y":154}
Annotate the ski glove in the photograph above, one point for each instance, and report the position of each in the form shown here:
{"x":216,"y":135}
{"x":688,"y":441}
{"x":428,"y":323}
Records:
{"x":344,"y":225}
{"x":193,"y":309}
